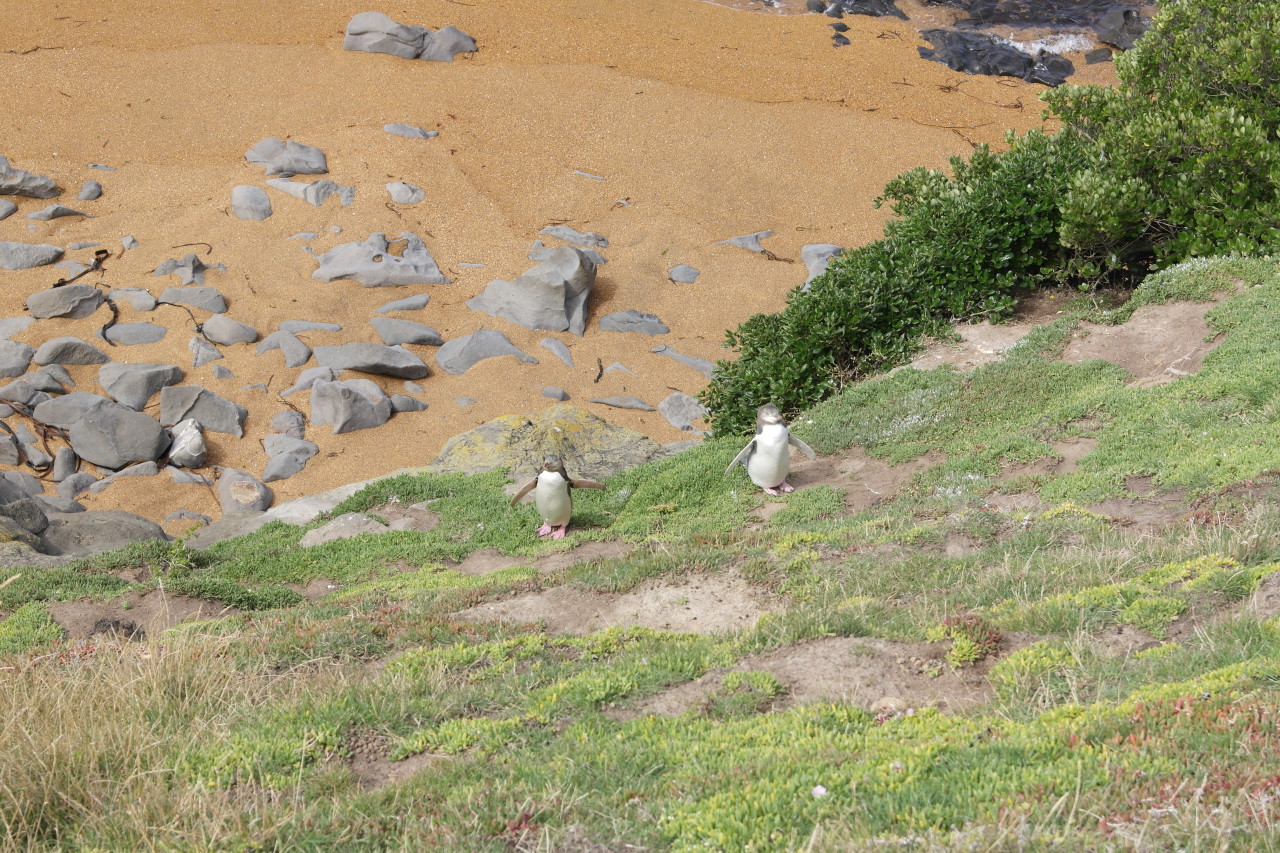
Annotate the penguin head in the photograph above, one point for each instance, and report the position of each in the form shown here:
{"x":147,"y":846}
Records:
{"x":552,"y":462}
{"x":769,"y":414}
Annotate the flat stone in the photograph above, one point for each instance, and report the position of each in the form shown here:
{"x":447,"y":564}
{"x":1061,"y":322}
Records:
{"x":815,"y":257}
{"x":139,"y":299}
{"x":394,"y":332}
{"x":75,"y":484}
{"x":315,"y":193}
{"x":283,"y":158}
{"x":373,"y":265}
{"x":7,"y":208}
{"x":558,"y":349}
{"x":308,"y":378}
{"x":221,"y":329}
{"x":632,"y":320}
{"x":350,"y":405}
{"x":73,"y":301}
{"x":189,"y":269}
{"x":213,"y":413}
{"x":577,"y":238}
{"x":408,"y":303}
{"x":345,"y":526}
{"x":65,"y":411}
{"x":188,"y":449}
{"x":625,"y":403}
{"x":10,"y":326}
{"x":683,"y":274}
{"x":113,"y":437}
{"x":461,"y":354}
{"x":239,"y":491}
{"x":289,"y":422}
{"x":401,"y":404}
{"x":295,"y":327}
{"x":134,"y":334}
{"x":133,"y":385}
{"x":65,"y":463}
{"x":56,"y":211}
{"x":141,"y":469}
{"x":706,"y":368}
{"x":402,"y":193}
{"x":374,"y":32}
{"x":15,"y":181}
{"x":250,"y":202}
{"x":205,"y":298}
{"x":22,"y":256}
{"x":751,"y":242}
{"x":372,"y":358}
{"x":409,"y":131}
{"x":295,"y":352}
{"x":286,"y":456}
{"x":202,"y":352}
{"x":84,"y":533}
{"x":69,"y":350}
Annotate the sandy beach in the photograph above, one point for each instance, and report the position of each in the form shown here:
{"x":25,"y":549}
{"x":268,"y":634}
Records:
{"x":699,"y":123}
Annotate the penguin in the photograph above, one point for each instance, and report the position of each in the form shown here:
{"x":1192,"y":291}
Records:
{"x":767,"y":457}
{"x":552,"y":494}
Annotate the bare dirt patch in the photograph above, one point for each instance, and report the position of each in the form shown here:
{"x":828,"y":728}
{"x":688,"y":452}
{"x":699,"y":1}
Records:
{"x":984,"y":342}
{"x":489,"y":560}
{"x":698,"y":604}
{"x":135,"y":616}
{"x":1065,"y":459}
{"x":865,"y":480}
{"x":879,"y":675}
{"x":314,"y":589}
{"x":370,"y":765}
{"x":1150,"y":514}
{"x":1159,"y":344}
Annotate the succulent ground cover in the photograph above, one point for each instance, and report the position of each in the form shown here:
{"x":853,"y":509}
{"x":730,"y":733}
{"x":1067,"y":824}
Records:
{"x":1007,"y":649}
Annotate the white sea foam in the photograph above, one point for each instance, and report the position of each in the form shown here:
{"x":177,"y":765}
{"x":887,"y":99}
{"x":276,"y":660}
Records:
{"x":1059,"y":43}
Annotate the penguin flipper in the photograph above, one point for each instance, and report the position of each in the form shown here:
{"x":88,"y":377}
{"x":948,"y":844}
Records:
{"x":585,"y":484}
{"x":524,"y":490}
{"x":801,"y":446}
{"x":743,"y":455}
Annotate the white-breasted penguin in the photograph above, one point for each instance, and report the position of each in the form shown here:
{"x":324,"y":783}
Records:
{"x":767,"y":457}
{"x":553,"y":495}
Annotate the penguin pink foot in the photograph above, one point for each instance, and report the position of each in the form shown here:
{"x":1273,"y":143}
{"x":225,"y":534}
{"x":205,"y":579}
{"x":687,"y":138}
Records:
{"x":559,"y":534}
{"x":544,"y":530}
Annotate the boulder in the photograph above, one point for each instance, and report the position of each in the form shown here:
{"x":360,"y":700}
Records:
{"x":83,"y":533}
{"x":287,"y":158}
{"x":15,"y":181}
{"x":214,"y":413}
{"x":133,"y":385}
{"x":552,"y":295}
{"x":461,"y":354}
{"x":373,"y":265}
{"x":72,"y":301}
{"x":242,"y":492}
{"x":69,"y":350}
{"x":374,"y":32}
{"x":112,"y":436}
{"x":11,"y":326}
{"x":349,"y":405}
{"x":372,"y":358}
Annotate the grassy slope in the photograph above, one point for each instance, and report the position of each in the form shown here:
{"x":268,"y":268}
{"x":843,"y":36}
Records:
{"x":231,"y":735}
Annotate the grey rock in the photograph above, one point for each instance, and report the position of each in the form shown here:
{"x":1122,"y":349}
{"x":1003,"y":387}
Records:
{"x":22,"y":392}
{"x":408,"y":303}
{"x":214,"y":413}
{"x":815,"y":257}
{"x":413,"y":388}
{"x":187,"y":478}
{"x":84,"y":245}
{"x":401,"y":403}
{"x":294,"y":327}
{"x":25,"y":435}
{"x":287,"y":158}
{"x":699,"y":364}
{"x":202,"y":352}
{"x":189,"y":269}
{"x":221,"y":329}
{"x":5,"y":410}
{"x":188,"y":515}
{"x":74,"y":484}
{"x":260,"y":387}
{"x":69,"y":350}
{"x":7,"y":208}
{"x":11,"y":326}
{"x":683,"y":274}
{"x":553,"y":393}
{"x":286,"y":456}
{"x":552,"y":295}
{"x":141,"y":469}
{"x":304,"y":235}
{"x":22,"y":256}
{"x":242,"y":492}
{"x":57,"y":373}
{"x":41,"y":381}
{"x":25,"y":482}
{"x":65,"y":411}
{"x":394,"y":332}
{"x":102,"y":167}
{"x":250,"y":202}
{"x":295,"y":352}
{"x":220,"y":372}
{"x":65,"y":463}
{"x":289,"y":423}
{"x":9,"y":452}
{"x":750,"y":242}
{"x":315,"y":193}
{"x":73,"y":268}
{"x":55,"y":211}
{"x":409,"y":131}
{"x":350,"y":405}
{"x":83,"y":533}
{"x":632,"y":320}
{"x":54,"y":503}
{"x":374,"y":32}
{"x":345,"y":526}
{"x":132,"y":385}
{"x":112,"y":437}
{"x":558,"y":349}
{"x":12,"y":532}
{"x":308,"y":378}
{"x":188,"y":449}
{"x":625,"y":403}
{"x":140,"y":299}
{"x":464,"y":402}
{"x":28,"y":513}
{"x":461,"y":354}
{"x":539,"y":252}
{"x":402,"y":193}
{"x":72,"y":301}
{"x":36,"y":457}
{"x":15,"y":181}
{"x":128,"y":241}
{"x":134,"y":334}
{"x":12,"y":490}
{"x":373,"y":265}
{"x":617,"y":365}
{"x":205,"y":298}
{"x":89,"y":191}
{"x":373,"y":358}
{"x":577,"y":238}
{"x":681,"y":410}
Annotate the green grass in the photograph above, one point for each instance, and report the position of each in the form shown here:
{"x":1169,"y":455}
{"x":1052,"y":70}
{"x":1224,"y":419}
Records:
{"x":241,"y":733}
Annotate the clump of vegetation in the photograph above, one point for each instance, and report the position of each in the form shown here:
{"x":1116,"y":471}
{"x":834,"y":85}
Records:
{"x":1181,"y":159}
{"x":972,"y":638}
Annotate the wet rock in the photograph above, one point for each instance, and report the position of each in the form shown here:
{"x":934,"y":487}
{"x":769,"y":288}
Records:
{"x":15,"y":358}
{"x":632,"y":320}
{"x":394,"y":332}
{"x":624,"y":402}
{"x":295,"y":352}
{"x":15,"y":181}
{"x":461,"y":354}
{"x":699,"y":364}
{"x":349,"y":405}
{"x":55,"y":211}
{"x":402,"y":193}
{"x":374,"y":32}
{"x":552,"y":295}
{"x":221,"y":329}
{"x":981,"y":53}
{"x":681,"y":410}
{"x":286,"y":456}
{"x":133,"y":385}
{"x":250,"y":202}
{"x":72,"y":301}
{"x":134,"y":334}
{"x":874,"y":8}
{"x":89,"y":191}
{"x":373,"y":265}
{"x":1121,"y":27}
{"x":282,"y":158}
{"x":242,"y":492}
{"x":202,"y":352}
{"x":214,"y":413}
{"x":69,"y":350}
{"x":409,"y":131}
{"x":751,"y":242}
{"x":112,"y":436}
{"x":683,"y":274}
